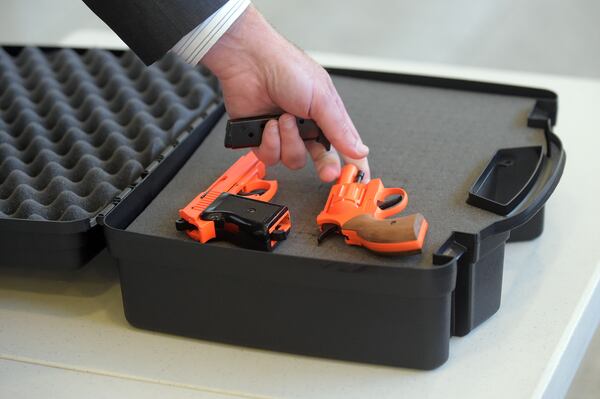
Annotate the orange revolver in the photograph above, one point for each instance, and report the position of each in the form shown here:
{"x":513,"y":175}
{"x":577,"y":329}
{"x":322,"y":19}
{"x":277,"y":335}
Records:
{"x":235,"y":207}
{"x":359,"y":212}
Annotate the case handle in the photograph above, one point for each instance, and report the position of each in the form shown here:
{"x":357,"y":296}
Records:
{"x":507,"y":179}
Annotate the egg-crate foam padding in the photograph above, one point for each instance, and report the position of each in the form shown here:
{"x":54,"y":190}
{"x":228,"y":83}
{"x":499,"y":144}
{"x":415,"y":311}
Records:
{"x":433,"y":142}
{"x":79,"y":126}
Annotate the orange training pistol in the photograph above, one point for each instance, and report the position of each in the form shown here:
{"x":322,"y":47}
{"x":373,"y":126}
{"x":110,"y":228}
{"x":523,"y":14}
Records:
{"x":235,"y":207}
{"x":358,"y":211}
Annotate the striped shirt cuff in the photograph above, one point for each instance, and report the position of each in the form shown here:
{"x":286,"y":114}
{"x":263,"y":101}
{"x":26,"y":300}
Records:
{"x":193,"y":46}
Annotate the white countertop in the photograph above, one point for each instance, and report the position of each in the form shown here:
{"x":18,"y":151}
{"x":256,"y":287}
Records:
{"x":64,"y":334}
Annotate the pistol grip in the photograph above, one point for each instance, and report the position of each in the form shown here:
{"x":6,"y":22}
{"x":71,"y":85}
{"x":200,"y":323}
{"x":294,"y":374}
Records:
{"x":247,"y":132}
{"x":404,"y":235}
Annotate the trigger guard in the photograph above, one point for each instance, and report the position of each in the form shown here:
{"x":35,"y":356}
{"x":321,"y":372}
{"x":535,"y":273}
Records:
{"x":256,"y":185}
{"x":393,"y":210}
{"x":269,"y":187}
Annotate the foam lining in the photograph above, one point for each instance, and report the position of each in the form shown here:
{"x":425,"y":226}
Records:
{"x":432,"y":142}
{"x":77,"y":127}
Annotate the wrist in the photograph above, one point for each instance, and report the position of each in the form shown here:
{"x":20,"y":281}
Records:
{"x":243,"y":46}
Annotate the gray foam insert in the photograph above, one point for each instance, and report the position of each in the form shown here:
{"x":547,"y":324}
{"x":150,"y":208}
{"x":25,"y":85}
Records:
{"x":77,"y":127}
{"x":432,"y":142}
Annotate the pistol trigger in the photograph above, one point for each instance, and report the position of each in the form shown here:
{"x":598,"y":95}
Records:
{"x":327,"y":230}
{"x":258,"y":191}
{"x":389,"y":202}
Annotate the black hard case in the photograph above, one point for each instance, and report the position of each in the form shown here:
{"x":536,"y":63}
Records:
{"x":400,"y":316}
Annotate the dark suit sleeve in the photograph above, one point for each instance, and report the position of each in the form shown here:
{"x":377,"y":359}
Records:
{"x":152,"y":27}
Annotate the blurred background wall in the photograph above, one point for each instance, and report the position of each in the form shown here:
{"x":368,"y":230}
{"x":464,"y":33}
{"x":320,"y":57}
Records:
{"x":546,"y":36}
{"x":553,"y":36}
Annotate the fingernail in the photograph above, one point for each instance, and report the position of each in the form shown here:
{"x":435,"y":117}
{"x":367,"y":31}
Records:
{"x":362,"y":149}
{"x":289,"y":121}
{"x":327,"y":174}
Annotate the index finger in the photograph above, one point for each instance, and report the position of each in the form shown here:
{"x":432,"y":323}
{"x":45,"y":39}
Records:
{"x":329,"y":112}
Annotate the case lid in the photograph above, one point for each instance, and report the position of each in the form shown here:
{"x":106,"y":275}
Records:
{"x":78,"y":129}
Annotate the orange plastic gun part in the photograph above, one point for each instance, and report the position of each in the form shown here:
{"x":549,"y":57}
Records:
{"x":359,"y":212}
{"x":237,"y":204}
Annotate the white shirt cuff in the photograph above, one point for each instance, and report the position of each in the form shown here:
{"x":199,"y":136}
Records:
{"x":193,"y":46}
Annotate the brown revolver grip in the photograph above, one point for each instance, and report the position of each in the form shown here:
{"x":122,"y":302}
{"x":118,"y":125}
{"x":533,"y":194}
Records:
{"x":404,"y":234}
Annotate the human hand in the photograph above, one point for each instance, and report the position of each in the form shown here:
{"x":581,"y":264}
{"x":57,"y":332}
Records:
{"x":262,"y":73}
